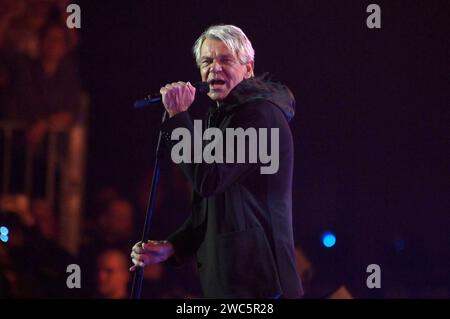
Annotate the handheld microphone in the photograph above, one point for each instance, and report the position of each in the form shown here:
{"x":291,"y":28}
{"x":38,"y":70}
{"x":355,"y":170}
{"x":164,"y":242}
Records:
{"x":201,"y":88}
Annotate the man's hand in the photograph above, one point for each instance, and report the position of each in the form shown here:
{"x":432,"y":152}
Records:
{"x":177,"y":97}
{"x":151,"y":252}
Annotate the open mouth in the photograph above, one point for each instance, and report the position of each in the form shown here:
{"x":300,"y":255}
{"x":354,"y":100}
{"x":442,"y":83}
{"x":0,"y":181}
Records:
{"x":216,"y":83}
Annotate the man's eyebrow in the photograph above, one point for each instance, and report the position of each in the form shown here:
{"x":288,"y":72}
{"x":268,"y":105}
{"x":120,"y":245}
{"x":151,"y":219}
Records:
{"x":227,"y":56}
{"x":221,"y":56}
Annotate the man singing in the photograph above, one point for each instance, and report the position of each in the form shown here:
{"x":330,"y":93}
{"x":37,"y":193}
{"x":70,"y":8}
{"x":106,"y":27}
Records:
{"x":240,"y":226}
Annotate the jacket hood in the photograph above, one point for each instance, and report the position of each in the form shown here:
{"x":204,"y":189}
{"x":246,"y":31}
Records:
{"x":261,"y":87}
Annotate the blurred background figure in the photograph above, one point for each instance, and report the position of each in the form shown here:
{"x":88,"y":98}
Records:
{"x":116,"y":225}
{"x":113,"y":277}
{"x":38,"y":70}
{"x":20,"y":24}
{"x":341,"y":293}
{"x":40,"y":92}
{"x":21,"y":21}
{"x":45,"y":219}
{"x":101,"y":201}
{"x":44,"y":92}
{"x":112,"y":228}
{"x":305,"y":269}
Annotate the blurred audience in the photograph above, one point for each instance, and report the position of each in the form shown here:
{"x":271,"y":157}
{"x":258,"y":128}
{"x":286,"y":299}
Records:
{"x":33,"y":263}
{"x":39,"y":82}
{"x":44,"y":92}
{"x":113,"y":228}
{"x":21,"y":20}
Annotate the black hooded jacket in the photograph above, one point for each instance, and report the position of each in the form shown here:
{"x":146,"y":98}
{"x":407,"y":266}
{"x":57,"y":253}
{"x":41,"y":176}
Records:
{"x":240,"y":226}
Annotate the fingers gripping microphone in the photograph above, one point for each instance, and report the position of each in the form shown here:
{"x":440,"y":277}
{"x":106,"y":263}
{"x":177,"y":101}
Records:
{"x":201,"y":88}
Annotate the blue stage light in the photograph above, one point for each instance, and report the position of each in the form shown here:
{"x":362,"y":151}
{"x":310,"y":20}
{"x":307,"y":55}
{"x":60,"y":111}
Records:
{"x":4,"y":238}
{"x":4,"y":230}
{"x":328,"y":239}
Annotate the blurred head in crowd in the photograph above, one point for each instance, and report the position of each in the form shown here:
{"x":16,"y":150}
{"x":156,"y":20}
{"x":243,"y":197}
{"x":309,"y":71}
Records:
{"x":38,"y":13}
{"x":116,"y":221}
{"x":112,"y":275}
{"x":54,"y":42}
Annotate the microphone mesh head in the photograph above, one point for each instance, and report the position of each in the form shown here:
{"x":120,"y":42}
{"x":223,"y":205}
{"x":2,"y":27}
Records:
{"x":202,"y":87}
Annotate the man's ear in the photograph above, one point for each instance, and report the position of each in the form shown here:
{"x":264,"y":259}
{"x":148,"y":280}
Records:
{"x":249,"y":70}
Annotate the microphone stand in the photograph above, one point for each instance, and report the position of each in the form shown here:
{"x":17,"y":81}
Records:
{"x":138,"y":277}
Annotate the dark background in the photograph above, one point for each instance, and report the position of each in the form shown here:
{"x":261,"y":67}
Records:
{"x":371,"y":129}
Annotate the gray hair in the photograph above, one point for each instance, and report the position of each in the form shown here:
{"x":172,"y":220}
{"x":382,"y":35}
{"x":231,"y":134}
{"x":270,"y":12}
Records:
{"x":233,"y":37}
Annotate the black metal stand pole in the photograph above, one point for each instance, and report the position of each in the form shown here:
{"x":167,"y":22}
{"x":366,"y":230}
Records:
{"x":139,"y":272}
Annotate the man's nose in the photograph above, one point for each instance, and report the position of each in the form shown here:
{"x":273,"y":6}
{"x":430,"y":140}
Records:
{"x":216,"y":67}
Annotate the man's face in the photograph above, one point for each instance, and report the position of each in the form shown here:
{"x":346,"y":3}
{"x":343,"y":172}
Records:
{"x":221,"y":68}
{"x":112,"y":274}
